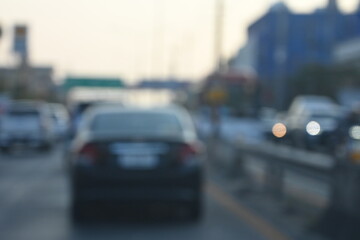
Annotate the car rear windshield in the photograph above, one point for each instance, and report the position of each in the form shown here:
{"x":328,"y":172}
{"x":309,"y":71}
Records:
{"x":153,"y":124}
{"x":20,"y":120}
{"x":23,"y":113}
{"x":325,"y":116}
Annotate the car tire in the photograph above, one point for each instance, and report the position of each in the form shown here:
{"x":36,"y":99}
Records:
{"x":77,"y":213}
{"x":78,"y":209}
{"x":196,"y":211}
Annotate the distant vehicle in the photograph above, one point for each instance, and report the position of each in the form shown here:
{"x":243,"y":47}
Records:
{"x":60,"y":117}
{"x":4,"y":103}
{"x":77,"y":110}
{"x":349,"y":150}
{"x":349,"y":136}
{"x":26,"y":123}
{"x":76,"y":114}
{"x":130,"y":155}
{"x":268,"y":118}
{"x":312,"y":122}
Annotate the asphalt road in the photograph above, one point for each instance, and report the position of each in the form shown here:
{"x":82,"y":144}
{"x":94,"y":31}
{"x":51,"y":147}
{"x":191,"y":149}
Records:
{"x":34,"y":204}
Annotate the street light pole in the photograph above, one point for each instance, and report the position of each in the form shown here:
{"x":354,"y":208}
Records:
{"x":158,"y":42}
{"x":218,"y":33}
{"x":218,"y":42}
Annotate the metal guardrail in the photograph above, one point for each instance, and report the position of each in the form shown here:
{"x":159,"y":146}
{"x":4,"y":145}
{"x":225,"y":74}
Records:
{"x":316,"y":178}
{"x":289,"y":156}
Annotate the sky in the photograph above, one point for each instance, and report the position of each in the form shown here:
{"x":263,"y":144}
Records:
{"x":132,"y":38}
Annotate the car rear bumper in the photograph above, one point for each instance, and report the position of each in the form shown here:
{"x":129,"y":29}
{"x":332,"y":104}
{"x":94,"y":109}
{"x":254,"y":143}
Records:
{"x":323,"y":138}
{"x":31,"y":139}
{"x":27,"y":141}
{"x":172,"y":186}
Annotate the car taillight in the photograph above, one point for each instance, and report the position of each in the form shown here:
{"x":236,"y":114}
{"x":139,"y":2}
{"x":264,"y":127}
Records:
{"x":88,"y":154}
{"x":189,"y":152}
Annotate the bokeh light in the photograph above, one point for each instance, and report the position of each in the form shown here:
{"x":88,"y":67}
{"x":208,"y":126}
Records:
{"x":313,"y":128}
{"x":279,"y":130}
{"x":355,"y":132}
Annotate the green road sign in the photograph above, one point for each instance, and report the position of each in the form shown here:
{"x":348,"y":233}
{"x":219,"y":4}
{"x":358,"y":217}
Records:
{"x":72,"y":82}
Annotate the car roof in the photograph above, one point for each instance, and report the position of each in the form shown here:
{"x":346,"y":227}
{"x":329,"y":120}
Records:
{"x":176,"y":111}
{"x":26,"y":105}
{"x":184,"y":118}
{"x":312,"y":103}
{"x":118,"y":109}
{"x":56,"y":105}
{"x":310,"y":99}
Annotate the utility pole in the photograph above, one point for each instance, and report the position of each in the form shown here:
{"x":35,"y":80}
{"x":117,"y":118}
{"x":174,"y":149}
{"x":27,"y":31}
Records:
{"x":218,"y":34}
{"x":2,"y":81}
{"x":20,"y":48}
{"x":216,"y":92}
{"x":281,"y":55}
{"x":173,"y":62}
{"x":158,"y":41}
{"x":0,"y":32}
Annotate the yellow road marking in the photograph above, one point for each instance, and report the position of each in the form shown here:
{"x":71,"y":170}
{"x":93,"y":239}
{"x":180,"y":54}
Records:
{"x":263,"y":227}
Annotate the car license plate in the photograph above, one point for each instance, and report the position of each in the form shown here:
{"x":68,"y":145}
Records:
{"x":138,"y":161}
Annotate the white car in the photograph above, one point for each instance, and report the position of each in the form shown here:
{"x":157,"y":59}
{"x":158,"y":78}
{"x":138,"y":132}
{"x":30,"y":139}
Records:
{"x":26,"y":123}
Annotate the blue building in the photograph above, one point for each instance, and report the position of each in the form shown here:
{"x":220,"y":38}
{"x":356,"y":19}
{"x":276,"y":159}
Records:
{"x":282,"y":42}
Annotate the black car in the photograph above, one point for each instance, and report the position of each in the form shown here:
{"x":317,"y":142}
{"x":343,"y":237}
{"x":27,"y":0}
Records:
{"x":144,"y":156}
{"x":312,"y":122}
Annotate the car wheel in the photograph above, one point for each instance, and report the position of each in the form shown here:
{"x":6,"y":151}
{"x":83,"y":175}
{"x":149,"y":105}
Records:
{"x":196,"y":211}
{"x":77,"y":213}
{"x":78,"y":210}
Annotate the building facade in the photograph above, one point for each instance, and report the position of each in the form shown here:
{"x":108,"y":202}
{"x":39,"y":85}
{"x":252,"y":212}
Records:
{"x":281,"y":43}
{"x":37,"y":81}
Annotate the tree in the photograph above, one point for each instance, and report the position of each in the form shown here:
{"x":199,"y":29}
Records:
{"x":324,"y":80}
